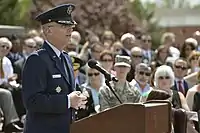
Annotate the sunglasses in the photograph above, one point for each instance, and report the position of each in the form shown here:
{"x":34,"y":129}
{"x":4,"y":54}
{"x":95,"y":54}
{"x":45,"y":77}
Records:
{"x":91,"y":74}
{"x":144,"y":73}
{"x":162,"y":77}
{"x":118,"y":50}
{"x":180,"y":67}
{"x":106,"y":60}
{"x":5,"y":47}
{"x":193,"y":58}
{"x":31,"y":46}
{"x":137,"y":56}
{"x":145,"y":40}
{"x":95,"y":51}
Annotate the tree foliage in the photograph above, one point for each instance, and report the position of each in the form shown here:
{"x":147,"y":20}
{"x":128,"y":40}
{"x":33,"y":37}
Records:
{"x":14,"y":12}
{"x":145,"y":12}
{"x":100,"y":15}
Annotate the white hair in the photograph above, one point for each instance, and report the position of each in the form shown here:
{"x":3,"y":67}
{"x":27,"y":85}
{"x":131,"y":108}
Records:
{"x":77,"y":34}
{"x":164,"y":70}
{"x":167,"y":35}
{"x":38,"y":39}
{"x":192,"y":40}
{"x":127,"y":35}
{"x":4,"y":40}
{"x":30,"y":41}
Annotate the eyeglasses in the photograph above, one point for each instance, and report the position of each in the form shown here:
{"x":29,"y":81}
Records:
{"x":107,"y":60}
{"x":137,"y":56}
{"x":188,"y":49}
{"x":180,"y":67}
{"x":117,"y":50}
{"x":146,"y":40}
{"x":194,"y":58}
{"x":5,"y":47}
{"x":144,"y":73}
{"x":91,"y":74}
{"x":31,"y":46}
{"x":95,"y":51}
{"x":162,"y":77}
{"x":64,"y":26}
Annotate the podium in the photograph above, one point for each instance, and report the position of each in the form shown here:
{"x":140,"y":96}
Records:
{"x":128,"y":118}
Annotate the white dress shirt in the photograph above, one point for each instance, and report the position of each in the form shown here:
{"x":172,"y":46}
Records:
{"x":7,"y":69}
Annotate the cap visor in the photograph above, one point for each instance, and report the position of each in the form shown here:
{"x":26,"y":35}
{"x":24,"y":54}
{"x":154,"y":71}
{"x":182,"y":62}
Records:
{"x":122,"y":64}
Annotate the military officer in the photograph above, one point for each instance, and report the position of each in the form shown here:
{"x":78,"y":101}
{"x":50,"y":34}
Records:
{"x":48,"y":80}
{"x":123,"y":89}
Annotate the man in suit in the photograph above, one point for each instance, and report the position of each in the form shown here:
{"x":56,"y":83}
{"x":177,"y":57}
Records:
{"x":180,"y":70}
{"x":48,"y":80}
{"x":148,"y":53}
{"x":28,"y":47}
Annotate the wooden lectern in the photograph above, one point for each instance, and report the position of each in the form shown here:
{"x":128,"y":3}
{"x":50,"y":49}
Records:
{"x":128,"y":118}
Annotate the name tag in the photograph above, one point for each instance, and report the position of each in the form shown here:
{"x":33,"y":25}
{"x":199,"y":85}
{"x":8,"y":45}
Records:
{"x":56,"y":76}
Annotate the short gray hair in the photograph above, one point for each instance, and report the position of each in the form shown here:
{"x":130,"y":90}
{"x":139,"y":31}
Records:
{"x":164,"y":70}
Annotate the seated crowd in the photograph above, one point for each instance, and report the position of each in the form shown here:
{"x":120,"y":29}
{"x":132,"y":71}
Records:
{"x":171,"y":68}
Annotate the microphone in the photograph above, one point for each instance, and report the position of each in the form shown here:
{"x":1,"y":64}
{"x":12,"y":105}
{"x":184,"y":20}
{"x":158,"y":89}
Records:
{"x":95,"y":65}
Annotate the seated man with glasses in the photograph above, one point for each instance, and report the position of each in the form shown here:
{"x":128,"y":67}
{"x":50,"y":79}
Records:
{"x":136,"y":58}
{"x":180,"y":68}
{"x":29,"y":47}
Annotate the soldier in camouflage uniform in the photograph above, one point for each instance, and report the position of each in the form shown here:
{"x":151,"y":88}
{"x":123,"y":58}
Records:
{"x":123,"y":89}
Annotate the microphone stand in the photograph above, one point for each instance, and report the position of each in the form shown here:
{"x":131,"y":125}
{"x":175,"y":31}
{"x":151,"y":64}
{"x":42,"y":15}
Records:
{"x":108,"y":84}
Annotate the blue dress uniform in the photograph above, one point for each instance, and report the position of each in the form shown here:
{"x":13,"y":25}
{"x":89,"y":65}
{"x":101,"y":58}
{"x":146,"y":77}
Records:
{"x":45,"y":85}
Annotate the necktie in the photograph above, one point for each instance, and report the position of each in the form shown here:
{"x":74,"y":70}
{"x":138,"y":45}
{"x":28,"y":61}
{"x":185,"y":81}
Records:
{"x":64,"y":66}
{"x":180,"y":87}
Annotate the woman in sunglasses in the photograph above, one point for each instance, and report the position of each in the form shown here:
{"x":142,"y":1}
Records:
{"x":164,"y":80}
{"x":141,"y":81}
{"x":93,"y":83}
{"x":107,"y":60}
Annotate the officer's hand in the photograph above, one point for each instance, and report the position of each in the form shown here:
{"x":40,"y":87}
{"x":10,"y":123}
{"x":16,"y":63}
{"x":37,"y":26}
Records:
{"x":76,"y":99}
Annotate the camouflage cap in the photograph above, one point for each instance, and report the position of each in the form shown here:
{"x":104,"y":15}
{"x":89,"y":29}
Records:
{"x":122,"y":61}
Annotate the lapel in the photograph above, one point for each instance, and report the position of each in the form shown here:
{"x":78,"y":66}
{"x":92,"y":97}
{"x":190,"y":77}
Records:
{"x":175,"y":85}
{"x":56,"y":60}
{"x":185,"y":86}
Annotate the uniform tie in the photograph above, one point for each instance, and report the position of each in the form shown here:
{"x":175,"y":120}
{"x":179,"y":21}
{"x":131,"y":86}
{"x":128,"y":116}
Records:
{"x":65,"y":67}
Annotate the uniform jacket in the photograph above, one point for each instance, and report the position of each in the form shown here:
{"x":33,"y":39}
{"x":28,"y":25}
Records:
{"x":45,"y":90}
{"x":127,"y":94}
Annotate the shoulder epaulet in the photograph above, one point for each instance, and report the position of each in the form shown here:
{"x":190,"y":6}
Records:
{"x":65,"y":52}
